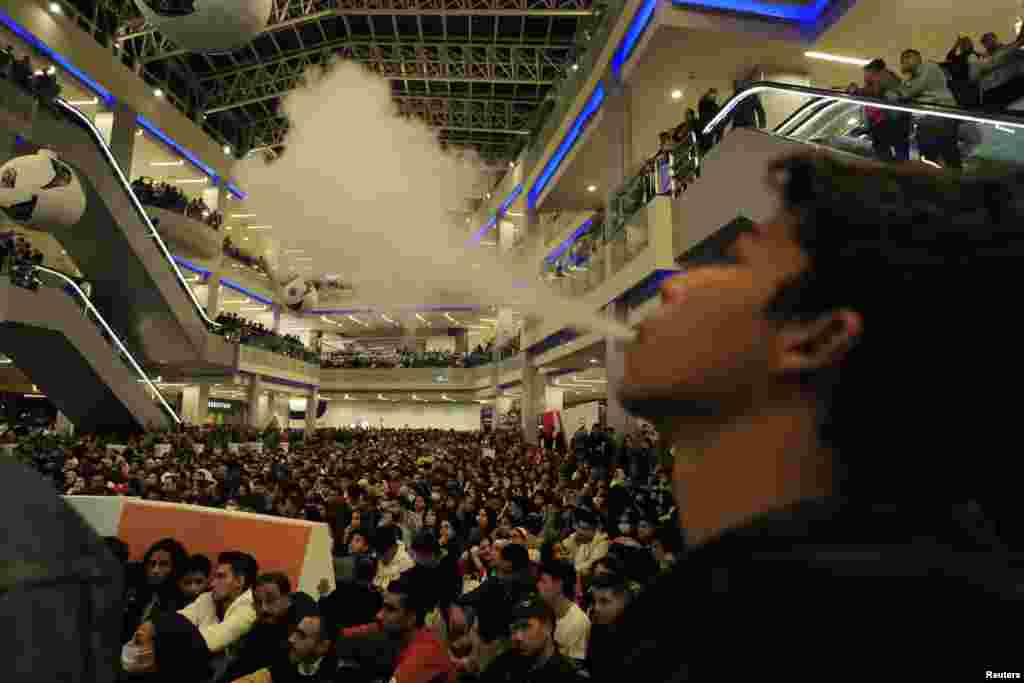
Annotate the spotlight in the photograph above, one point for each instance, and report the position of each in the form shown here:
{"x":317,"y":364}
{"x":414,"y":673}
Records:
{"x":591,"y":188}
{"x":158,"y":92}
{"x":227,"y":149}
{"x":55,"y":8}
{"x":677,"y":94}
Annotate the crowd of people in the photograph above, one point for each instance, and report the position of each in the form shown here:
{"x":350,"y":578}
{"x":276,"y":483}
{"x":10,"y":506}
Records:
{"x":42,"y":84}
{"x":245,"y":258}
{"x":237,"y":329}
{"x":19,"y":259}
{"x":169,"y":197}
{"x":462,"y":555}
{"x":364,"y":358}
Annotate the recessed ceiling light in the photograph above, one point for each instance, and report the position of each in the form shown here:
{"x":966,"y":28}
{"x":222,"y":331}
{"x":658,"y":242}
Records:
{"x":854,"y":61}
{"x":677,"y":94}
{"x":51,"y":70}
{"x":594,"y":360}
{"x":243,"y":215}
{"x":591,"y":188}
{"x":227,"y":149}
{"x":138,"y":132}
{"x":575,"y":66}
{"x":55,"y":8}
{"x":158,"y":92}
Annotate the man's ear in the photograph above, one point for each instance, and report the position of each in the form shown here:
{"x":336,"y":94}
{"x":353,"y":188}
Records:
{"x":819,"y":343}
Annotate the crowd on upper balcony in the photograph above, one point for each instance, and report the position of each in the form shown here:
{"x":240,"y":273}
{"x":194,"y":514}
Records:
{"x":19,"y":259}
{"x":43,"y":84}
{"x":383,"y":358}
{"x":235,"y":253}
{"x":239,"y":330}
{"x":170,"y":198}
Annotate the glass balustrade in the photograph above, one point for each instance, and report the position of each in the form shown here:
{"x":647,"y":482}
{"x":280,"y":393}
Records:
{"x":33,"y":276}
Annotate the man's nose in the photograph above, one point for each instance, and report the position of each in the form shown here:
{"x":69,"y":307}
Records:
{"x":672,"y":289}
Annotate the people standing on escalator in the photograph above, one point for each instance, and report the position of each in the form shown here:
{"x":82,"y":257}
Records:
{"x":889,"y":130}
{"x":960,"y":61}
{"x":927,"y":84}
{"x":749,"y":112}
{"x":707,"y":109}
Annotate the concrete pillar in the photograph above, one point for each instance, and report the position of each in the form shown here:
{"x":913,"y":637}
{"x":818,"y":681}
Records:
{"x":312,"y":403}
{"x":255,"y":389}
{"x":461,"y":341}
{"x":213,"y":290}
{"x":617,"y":119}
{"x":616,"y":415}
{"x":190,"y":405}
{"x":203,"y":404}
{"x":277,"y":319}
{"x":122,"y":137}
{"x":531,"y":400}
{"x":554,"y":398}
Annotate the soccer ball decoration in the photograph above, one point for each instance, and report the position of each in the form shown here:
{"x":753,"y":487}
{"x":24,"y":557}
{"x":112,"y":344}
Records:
{"x":299,"y":295}
{"x":41,"y":191}
{"x":207,"y":26}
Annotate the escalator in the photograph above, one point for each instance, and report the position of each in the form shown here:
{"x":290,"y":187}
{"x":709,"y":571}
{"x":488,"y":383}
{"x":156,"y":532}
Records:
{"x":136,"y":283}
{"x":824,"y":120}
{"x":59,"y":339}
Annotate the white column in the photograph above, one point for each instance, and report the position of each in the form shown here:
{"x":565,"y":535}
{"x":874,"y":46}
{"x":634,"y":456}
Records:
{"x":203,"y":404}
{"x":616,"y":415}
{"x":213,"y":289}
{"x":277,"y":318}
{"x":312,"y":403}
{"x":531,"y":400}
{"x":122,"y":136}
{"x":255,"y":389}
{"x":190,"y":404}
{"x":554,"y":398}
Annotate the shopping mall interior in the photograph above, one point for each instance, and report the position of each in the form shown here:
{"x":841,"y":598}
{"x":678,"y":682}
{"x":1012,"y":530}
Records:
{"x":407,"y":245}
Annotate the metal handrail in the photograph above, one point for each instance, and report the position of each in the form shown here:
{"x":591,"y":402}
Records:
{"x":837,"y":96}
{"x":117,"y":341}
{"x":98,"y":139}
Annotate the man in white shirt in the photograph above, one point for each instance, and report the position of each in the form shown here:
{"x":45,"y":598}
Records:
{"x":588,"y":544}
{"x":225,"y":613}
{"x":557,"y":586}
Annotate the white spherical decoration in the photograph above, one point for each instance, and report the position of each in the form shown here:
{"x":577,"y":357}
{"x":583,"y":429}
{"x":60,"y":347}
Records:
{"x":209,"y":26}
{"x":42,"y":191}
{"x":294,"y":292}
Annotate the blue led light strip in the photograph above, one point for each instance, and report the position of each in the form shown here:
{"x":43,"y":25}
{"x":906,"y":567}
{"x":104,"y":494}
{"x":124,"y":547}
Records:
{"x":561,"y":248}
{"x":150,"y":128}
{"x":84,"y":300}
{"x":43,"y":48}
{"x":801,"y":14}
{"x":231,"y":284}
{"x":236,"y":191}
{"x":641,"y":20}
{"x":493,"y":220}
{"x":589,"y":109}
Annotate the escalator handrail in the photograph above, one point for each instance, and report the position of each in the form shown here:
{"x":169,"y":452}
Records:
{"x":117,"y":341}
{"x":98,"y":139}
{"x":810,"y":111}
{"x":799,"y":111}
{"x":838,"y":96}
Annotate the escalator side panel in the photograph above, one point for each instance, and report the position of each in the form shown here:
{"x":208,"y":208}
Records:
{"x":732,"y":184}
{"x":50,"y":339}
{"x":134,"y":286}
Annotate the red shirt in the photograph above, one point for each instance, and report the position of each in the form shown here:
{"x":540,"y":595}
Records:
{"x":424,"y":660}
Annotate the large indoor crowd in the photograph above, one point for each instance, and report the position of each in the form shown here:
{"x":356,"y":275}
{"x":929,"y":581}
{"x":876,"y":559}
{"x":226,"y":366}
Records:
{"x":169,"y":197}
{"x":458,"y":555}
{"x":366,"y":358}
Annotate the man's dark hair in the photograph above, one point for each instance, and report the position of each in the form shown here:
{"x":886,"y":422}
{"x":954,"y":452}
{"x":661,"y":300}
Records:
{"x":876,"y":65}
{"x":517,"y":556}
{"x":179,"y":556}
{"x":911,"y":252}
{"x":564,"y":573}
{"x":414,"y":595}
{"x":385,"y":538}
{"x":364,"y":569}
{"x":199,"y":564}
{"x":910,"y":53}
{"x":283,"y":583}
{"x":243,"y":565}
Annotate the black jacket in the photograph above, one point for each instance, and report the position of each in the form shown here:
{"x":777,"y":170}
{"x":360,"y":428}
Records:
{"x":261,"y":647}
{"x":350,"y":604}
{"x":916,"y":591}
{"x":510,"y":667}
{"x":749,"y":113}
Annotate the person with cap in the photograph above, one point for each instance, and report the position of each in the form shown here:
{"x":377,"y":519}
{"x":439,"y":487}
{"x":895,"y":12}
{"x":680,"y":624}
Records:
{"x":168,"y":649}
{"x":533,"y":656}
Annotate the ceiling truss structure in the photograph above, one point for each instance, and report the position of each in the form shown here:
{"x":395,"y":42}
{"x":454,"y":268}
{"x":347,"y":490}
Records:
{"x":476,"y":70}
